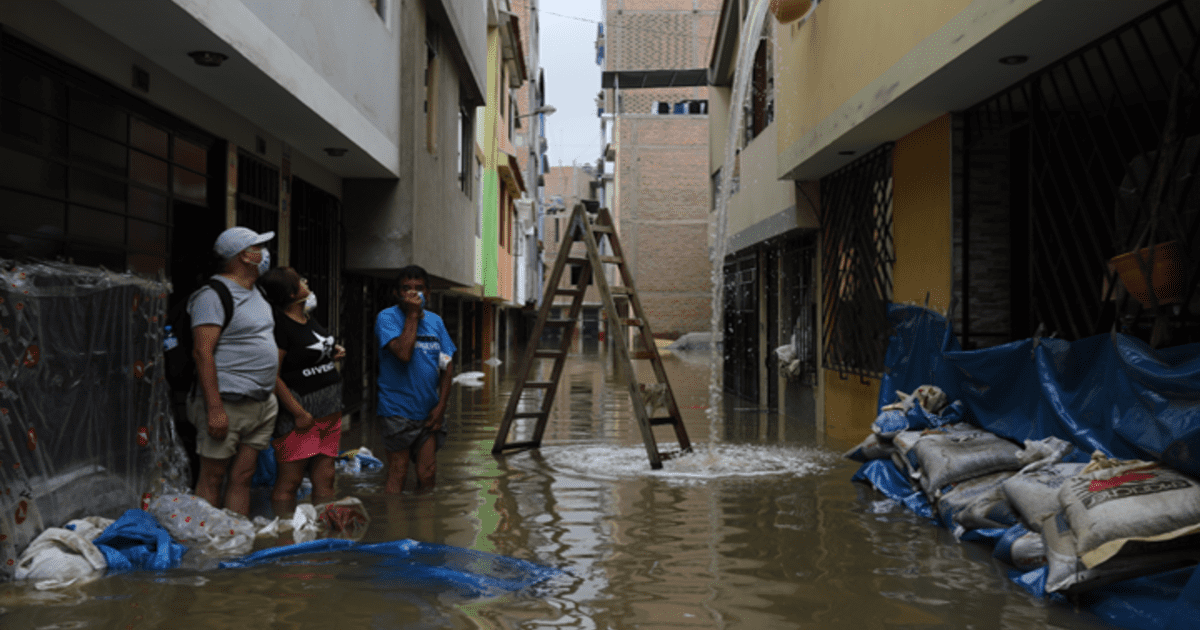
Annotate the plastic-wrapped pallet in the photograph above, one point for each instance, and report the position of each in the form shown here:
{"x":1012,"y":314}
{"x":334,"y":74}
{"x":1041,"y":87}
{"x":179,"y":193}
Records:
{"x":1034,"y":494}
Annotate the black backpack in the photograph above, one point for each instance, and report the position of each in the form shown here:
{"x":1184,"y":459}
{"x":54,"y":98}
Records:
{"x":180,"y":366}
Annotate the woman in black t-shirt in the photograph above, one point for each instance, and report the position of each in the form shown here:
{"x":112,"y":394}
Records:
{"x":309,"y":389}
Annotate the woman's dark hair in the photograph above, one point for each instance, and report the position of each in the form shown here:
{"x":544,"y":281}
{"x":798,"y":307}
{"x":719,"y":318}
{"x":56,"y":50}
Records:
{"x":280,"y":285}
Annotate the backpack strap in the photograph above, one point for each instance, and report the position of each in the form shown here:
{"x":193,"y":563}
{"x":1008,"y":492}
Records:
{"x":226,"y":300}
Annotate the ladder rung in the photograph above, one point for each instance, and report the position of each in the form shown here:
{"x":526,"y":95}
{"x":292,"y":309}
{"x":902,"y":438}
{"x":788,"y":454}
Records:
{"x":559,"y":322}
{"x":577,"y":261}
{"x":621,"y":290}
{"x":612,"y":260}
{"x":643,"y":354}
{"x":529,"y":414}
{"x":632,"y":321}
{"x":539,"y":384}
{"x":607,"y":229}
{"x":548,"y":354}
{"x":657,"y":422}
{"x":568,"y":292}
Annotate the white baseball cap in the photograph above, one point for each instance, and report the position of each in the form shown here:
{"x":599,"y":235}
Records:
{"x":231,"y":242}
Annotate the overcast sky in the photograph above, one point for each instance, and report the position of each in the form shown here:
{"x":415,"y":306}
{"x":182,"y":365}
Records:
{"x":568,"y":55}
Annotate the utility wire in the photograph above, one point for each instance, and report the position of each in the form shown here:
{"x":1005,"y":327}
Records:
{"x":614,"y":27}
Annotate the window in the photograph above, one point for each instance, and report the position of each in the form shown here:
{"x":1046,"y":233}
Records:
{"x":466,"y":146}
{"x":87,"y":172}
{"x":857,"y":257}
{"x":431,"y":85}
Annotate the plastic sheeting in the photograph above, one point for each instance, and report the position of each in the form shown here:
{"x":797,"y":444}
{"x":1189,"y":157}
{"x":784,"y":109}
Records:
{"x":1110,"y":393}
{"x":416,"y":566}
{"x":137,"y":542}
{"x":85,"y":424}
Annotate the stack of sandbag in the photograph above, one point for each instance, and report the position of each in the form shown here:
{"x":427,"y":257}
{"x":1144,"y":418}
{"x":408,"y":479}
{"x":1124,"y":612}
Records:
{"x":1120,"y":519}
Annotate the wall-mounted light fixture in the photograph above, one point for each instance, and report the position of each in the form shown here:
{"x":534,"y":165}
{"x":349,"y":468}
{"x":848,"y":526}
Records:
{"x":335,"y":151}
{"x":208,"y":58}
{"x":1014,"y":60}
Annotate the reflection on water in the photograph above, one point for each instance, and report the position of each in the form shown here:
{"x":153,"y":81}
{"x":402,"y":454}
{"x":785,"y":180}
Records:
{"x":747,"y":535}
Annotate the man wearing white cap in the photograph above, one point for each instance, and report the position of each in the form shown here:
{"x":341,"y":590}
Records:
{"x":234,"y":409}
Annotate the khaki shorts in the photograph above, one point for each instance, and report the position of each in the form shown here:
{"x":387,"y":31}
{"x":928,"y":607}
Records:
{"x":251,"y":422}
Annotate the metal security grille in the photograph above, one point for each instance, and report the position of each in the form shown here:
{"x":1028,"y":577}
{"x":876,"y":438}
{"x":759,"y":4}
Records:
{"x":856,"y":260}
{"x":741,"y":327}
{"x":1068,"y":166}
{"x":258,"y":197}
{"x":316,"y":246}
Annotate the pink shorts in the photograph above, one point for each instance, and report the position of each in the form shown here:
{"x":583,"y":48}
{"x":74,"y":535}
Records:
{"x":320,"y":439}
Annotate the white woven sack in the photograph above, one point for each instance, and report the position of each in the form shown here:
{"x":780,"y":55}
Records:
{"x":1034,"y":494}
{"x":1108,"y":506}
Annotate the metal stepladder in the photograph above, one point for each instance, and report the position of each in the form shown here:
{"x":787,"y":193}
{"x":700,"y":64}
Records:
{"x":592,"y":232}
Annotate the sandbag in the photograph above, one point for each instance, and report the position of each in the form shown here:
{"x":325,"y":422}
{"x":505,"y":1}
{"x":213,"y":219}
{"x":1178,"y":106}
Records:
{"x":196,"y":523}
{"x":1068,"y":573}
{"x":1033,"y":494}
{"x":873,"y":447}
{"x":1022,"y":548}
{"x":960,"y":454}
{"x":1110,"y":504}
{"x":977,"y":503}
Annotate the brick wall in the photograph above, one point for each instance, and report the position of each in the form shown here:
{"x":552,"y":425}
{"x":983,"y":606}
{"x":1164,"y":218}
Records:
{"x":665,"y":201}
{"x":664,"y":194}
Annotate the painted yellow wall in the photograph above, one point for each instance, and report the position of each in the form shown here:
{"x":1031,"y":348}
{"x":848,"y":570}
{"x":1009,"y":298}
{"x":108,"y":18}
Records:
{"x":844,"y":46}
{"x":762,"y":194}
{"x":849,"y":407}
{"x":921,"y":214}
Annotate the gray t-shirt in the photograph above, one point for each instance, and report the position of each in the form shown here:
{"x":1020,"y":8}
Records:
{"x":246,"y":356}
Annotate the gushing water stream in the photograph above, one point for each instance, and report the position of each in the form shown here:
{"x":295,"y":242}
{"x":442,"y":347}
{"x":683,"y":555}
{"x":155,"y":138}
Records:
{"x":752,"y":26}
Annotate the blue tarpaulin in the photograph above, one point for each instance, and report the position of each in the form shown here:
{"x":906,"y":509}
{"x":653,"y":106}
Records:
{"x":1110,"y":393}
{"x":421,"y":566}
{"x":136,"y":541}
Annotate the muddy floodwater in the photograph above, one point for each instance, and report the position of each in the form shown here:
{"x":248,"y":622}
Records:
{"x":748,"y":535}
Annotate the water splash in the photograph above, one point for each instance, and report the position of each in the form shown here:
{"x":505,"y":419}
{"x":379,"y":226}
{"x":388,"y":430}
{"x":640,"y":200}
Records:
{"x":716,"y":461}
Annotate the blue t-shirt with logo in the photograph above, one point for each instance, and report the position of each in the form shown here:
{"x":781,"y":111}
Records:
{"x":410,"y":390}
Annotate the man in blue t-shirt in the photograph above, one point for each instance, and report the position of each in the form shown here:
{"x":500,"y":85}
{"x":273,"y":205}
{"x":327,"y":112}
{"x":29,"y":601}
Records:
{"x":414,"y":381}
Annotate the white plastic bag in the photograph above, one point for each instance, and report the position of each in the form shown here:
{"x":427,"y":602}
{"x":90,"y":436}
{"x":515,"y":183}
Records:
{"x":61,"y":557}
{"x":304,"y":523}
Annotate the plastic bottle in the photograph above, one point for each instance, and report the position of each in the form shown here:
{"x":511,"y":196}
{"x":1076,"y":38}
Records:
{"x":170,"y":341}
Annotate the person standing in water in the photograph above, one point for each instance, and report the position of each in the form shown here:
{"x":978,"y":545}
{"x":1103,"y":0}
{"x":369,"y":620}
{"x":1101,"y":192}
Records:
{"x":415,"y":373}
{"x":309,"y":389}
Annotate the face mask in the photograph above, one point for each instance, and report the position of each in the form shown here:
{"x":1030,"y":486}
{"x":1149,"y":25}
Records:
{"x":265,"y":264}
{"x":310,"y":302}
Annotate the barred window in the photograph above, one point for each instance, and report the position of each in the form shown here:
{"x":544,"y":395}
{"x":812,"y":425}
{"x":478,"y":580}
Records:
{"x":857,"y":257}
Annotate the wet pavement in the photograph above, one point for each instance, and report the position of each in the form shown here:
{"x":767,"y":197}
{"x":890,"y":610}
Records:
{"x":747,"y":535}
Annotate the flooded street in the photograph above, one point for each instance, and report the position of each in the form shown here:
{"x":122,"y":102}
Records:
{"x":753,"y":536}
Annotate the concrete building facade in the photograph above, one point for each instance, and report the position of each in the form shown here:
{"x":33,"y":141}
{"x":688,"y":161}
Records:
{"x":134,"y":132}
{"x":985,"y":158}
